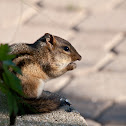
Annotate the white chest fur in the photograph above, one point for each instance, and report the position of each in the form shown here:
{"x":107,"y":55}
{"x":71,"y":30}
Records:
{"x":40,"y":87}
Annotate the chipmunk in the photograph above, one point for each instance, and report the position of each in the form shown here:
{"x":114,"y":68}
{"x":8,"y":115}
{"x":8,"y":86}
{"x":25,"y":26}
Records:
{"x":49,"y":57}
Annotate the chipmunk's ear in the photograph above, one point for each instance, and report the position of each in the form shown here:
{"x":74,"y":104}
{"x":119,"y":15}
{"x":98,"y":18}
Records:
{"x":50,"y":40}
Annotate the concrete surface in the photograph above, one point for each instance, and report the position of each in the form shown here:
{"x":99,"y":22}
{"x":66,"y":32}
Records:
{"x":56,"y":118}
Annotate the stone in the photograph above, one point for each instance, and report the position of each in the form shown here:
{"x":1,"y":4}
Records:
{"x":7,"y":30}
{"x":29,"y":34}
{"x":90,"y":5}
{"x":121,"y":48}
{"x":122,"y":5}
{"x":92,"y":123}
{"x":67,"y":20}
{"x":57,"y":84}
{"x":116,"y":114}
{"x":104,"y":85}
{"x":118,"y":65}
{"x":114,"y":124}
{"x":55,"y":118}
{"x":90,"y":46}
{"x":88,"y":108}
{"x":100,"y":21}
{"x":29,"y":29}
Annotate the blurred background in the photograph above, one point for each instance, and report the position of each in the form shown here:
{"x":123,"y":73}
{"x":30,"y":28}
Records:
{"x":96,"y":28}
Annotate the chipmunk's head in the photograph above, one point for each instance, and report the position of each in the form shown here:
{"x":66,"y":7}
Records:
{"x":61,"y":55}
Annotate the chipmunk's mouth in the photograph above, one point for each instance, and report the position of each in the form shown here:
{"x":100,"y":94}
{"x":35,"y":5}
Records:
{"x":71,"y":63}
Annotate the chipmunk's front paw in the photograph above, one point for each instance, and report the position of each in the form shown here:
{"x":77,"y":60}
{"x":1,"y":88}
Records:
{"x":71,"y":66}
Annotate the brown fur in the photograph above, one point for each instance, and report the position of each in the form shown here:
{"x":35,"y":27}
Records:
{"x":45,"y":59}
{"x":30,"y":79}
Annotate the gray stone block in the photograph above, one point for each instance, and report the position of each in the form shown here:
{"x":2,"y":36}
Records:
{"x":102,"y":85}
{"x":109,"y":21}
{"x":114,"y":124}
{"x":54,"y":118}
{"x":118,"y":65}
{"x":91,"y":46}
{"x":89,"y":108}
{"x":116,"y":114}
{"x":92,"y":123}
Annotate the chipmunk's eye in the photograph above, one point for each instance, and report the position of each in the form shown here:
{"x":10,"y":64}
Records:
{"x":66,"y":48}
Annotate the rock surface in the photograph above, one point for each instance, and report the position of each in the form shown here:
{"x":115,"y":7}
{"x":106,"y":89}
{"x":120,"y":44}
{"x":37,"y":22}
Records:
{"x":55,"y":118}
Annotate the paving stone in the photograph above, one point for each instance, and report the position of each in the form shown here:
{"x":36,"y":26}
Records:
{"x":6,"y":19}
{"x":89,"y":108}
{"x":60,"y":18}
{"x":7,"y":34}
{"x":57,"y":84}
{"x":118,"y":65}
{"x":114,"y":124}
{"x":29,"y":33}
{"x":116,"y":114}
{"x":88,"y":4}
{"x":11,"y":19}
{"x":108,"y":5}
{"x":92,"y":123}
{"x":66,"y":4}
{"x":122,"y":5}
{"x":121,"y":48}
{"x":90,"y":46}
{"x":9,"y":14}
{"x":102,"y":85}
{"x":113,"y":21}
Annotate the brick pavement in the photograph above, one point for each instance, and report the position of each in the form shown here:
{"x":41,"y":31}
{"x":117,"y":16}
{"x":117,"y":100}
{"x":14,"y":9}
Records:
{"x":90,"y":25}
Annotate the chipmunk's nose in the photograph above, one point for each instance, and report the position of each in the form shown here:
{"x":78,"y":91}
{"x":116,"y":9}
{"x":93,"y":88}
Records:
{"x":79,"y":57}
{"x":76,"y":56}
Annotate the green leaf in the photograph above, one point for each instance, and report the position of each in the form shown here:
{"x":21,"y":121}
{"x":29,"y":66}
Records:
{"x":10,"y":85}
{"x":8,"y":63}
{"x":12,"y":103}
{"x":16,"y":69}
{"x":3,"y":88}
{"x":4,"y":52}
{"x":11,"y":80}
